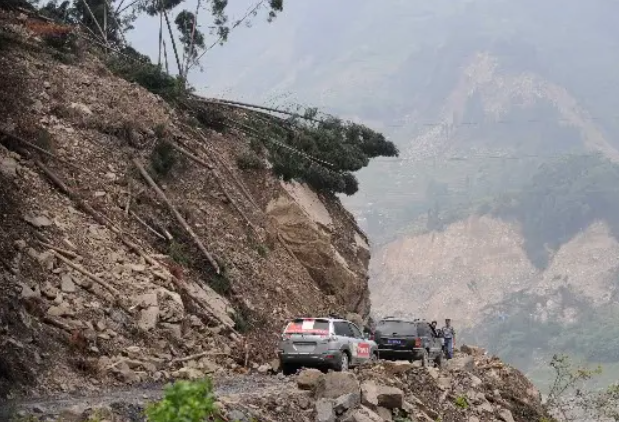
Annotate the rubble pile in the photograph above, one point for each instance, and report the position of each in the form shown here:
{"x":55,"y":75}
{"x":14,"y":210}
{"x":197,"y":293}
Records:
{"x":473,"y":388}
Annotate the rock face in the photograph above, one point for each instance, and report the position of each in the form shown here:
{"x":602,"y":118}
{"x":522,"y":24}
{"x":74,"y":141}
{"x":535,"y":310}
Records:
{"x":88,"y":247}
{"x":316,"y":239}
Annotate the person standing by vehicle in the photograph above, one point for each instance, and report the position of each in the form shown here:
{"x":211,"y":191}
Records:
{"x":449,"y":336}
{"x":434,"y":330}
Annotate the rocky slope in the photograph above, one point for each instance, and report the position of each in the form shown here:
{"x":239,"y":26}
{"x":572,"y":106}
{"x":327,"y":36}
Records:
{"x":473,"y":387}
{"x":478,"y":263}
{"x":100,"y":283}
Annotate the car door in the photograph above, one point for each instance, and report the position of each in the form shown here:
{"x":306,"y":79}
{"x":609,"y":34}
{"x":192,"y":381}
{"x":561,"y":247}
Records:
{"x":361,"y":348}
{"x":344,"y":334}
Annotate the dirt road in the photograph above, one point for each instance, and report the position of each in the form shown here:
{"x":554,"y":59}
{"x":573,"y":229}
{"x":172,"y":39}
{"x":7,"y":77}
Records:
{"x":228,"y":388}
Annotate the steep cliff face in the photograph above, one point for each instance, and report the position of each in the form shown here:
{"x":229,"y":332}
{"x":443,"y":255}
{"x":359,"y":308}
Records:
{"x":96,"y":269}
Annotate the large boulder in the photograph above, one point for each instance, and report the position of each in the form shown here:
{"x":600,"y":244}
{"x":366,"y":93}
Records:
{"x":346,"y":402}
{"x":336,"y":384}
{"x":390,"y":397}
{"x":369,"y":394}
{"x":308,"y":378}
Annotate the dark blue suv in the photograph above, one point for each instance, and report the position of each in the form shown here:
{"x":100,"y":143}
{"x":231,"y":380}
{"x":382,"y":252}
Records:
{"x":399,"y":339}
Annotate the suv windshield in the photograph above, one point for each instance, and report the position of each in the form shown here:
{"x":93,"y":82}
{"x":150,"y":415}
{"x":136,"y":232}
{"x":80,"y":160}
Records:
{"x":308,"y":326}
{"x":398,"y":328}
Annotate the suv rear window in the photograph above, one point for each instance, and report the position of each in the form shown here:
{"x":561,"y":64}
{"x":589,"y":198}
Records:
{"x":308,"y":326}
{"x":401,"y":328}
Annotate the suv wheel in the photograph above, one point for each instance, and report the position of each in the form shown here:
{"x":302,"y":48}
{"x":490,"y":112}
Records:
{"x":288,"y":369}
{"x":343,"y":364}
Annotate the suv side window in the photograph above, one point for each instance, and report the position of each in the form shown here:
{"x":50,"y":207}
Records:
{"x":342,"y":329}
{"x":424,"y":330}
{"x":355,"y":331}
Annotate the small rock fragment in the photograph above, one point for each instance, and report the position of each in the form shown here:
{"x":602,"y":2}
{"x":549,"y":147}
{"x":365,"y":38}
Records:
{"x":324,"y":411}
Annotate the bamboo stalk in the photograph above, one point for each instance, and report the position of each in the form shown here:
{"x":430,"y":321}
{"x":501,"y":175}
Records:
{"x":177,"y":215}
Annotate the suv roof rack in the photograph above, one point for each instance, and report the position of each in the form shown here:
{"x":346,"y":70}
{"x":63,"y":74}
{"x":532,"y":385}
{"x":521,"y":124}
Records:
{"x":335,"y":316}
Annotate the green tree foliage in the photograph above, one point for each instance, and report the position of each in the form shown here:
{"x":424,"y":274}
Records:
{"x":114,"y":18}
{"x":563,"y":198}
{"x":324,"y":153}
{"x":191,"y":38}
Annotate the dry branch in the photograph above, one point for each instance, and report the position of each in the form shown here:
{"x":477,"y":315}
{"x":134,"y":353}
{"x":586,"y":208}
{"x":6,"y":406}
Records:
{"x":221,"y":162}
{"x":177,"y":215}
{"x":219,"y":182}
{"x":88,"y":274}
{"x":41,"y":150}
{"x":65,"y":252}
{"x":148,"y":227}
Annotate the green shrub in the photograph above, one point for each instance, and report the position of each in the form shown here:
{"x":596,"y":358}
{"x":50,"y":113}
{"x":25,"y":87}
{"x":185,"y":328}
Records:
{"x":249,"y":161}
{"x":163,"y":158}
{"x":462,"y":402}
{"x":185,"y":401}
{"x":135,"y":67}
{"x":178,"y":254}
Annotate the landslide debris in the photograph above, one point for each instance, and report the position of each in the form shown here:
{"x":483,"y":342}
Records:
{"x":473,"y":387}
{"x":135,"y":246}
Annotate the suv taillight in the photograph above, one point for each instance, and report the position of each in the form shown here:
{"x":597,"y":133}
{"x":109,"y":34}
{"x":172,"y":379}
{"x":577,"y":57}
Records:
{"x":417,"y":342}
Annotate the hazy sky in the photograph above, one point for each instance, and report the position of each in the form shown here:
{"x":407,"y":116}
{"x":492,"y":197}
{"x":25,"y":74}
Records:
{"x":144,"y":36}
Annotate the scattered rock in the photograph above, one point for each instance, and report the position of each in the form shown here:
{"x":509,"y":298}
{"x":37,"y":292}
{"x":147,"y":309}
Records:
{"x":308,"y":378}
{"x":72,"y":414}
{"x":263,"y":369}
{"x":398,"y":367}
{"x":8,"y":167}
{"x":275,"y":366}
{"x":188,"y":373}
{"x":64,"y":309}
{"x":334,"y":384}
{"x":66,"y":284}
{"x":362,"y":415}
{"x":472,"y":350}
{"x":324,"y":411}
{"x":461,"y":362}
{"x":38,"y":221}
{"x":505,"y":415}
{"x":148,"y":318}
{"x":390,"y":397}
{"x":82,"y":108}
{"x":346,"y":402}
{"x":28,"y":293}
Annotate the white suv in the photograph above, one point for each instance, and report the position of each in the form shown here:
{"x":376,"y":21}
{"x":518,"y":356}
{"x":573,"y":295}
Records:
{"x":324,"y":342}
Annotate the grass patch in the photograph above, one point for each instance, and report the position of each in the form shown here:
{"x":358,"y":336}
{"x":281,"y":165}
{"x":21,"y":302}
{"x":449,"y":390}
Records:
{"x":462,"y":402}
{"x":178,"y":253}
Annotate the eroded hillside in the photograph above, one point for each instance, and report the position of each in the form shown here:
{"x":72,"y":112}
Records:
{"x":101,"y":280}
{"x":477,"y":272}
